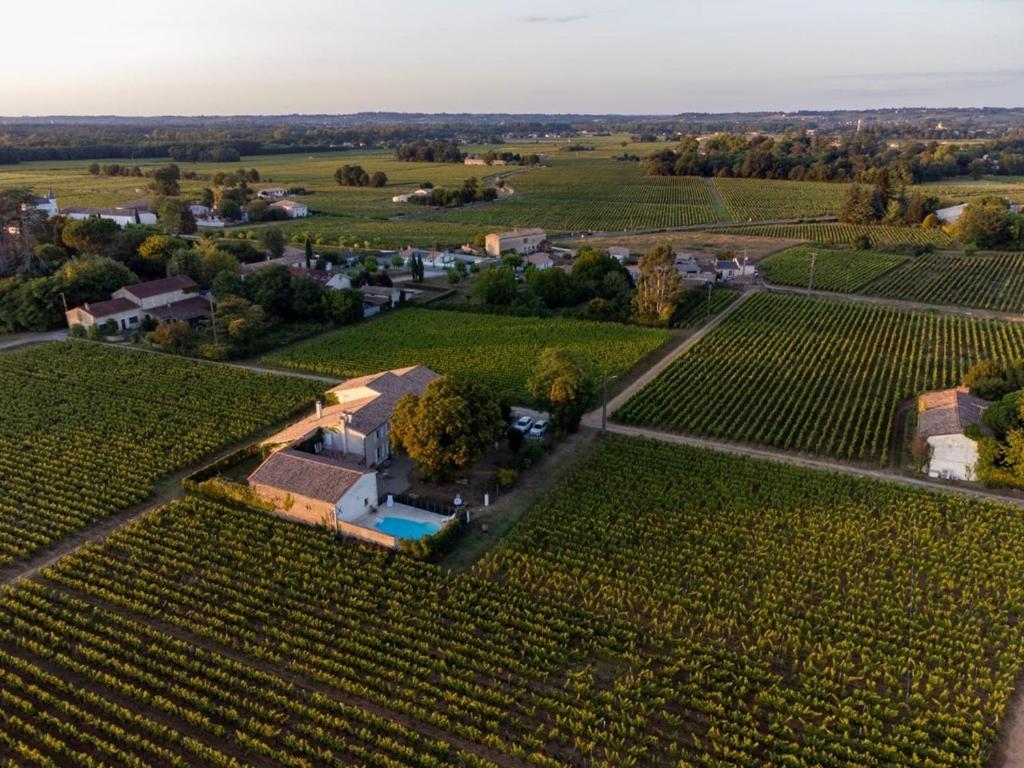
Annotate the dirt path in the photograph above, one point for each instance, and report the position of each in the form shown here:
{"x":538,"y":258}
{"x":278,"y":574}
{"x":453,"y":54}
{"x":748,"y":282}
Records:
{"x":717,"y":201}
{"x":15,"y":340}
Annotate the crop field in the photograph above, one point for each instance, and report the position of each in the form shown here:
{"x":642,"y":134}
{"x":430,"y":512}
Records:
{"x":845,"y":271}
{"x":844,"y":234}
{"x":86,"y":430}
{"x":818,"y":377}
{"x":697,"y":307}
{"x":963,"y":190}
{"x":992,"y":281}
{"x":578,"y":195}
{"x":745,"y":614}
{"x":498,"y":351}
{"x":767,"y":199}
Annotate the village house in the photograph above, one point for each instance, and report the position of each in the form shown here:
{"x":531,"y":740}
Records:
{"x":122,"y":215}
{"x":328,"y":278}
{"x":521,"y":241}
{"x":410,"y":195}
{"x":163,"y":300}
{"x":540,"y":261}
{"x":272,"y":193}
{"x":47,"y":205}
{"x":942,"y":418}
{"x":293,"y":208}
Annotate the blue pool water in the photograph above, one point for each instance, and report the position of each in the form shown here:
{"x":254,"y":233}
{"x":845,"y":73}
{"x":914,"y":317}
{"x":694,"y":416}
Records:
{"x":401,"y":528}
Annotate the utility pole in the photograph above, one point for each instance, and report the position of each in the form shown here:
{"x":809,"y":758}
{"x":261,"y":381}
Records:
{"x":810,"y":280}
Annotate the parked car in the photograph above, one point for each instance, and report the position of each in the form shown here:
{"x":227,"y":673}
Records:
{"x":539,"y":429}
{"x":523,"y":424}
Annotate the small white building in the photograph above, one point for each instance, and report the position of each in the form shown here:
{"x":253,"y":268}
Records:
{"x":293,"y":208}
{"x":47,"y":205}
{"x":950,"y":215}
{"x":421,"y":192}
{"x":125,"y":315}
{"x":272,"y":193}
{"x":328,"y":278}
{"x":521,"y":241}
{"x":120,"y":216}
{"x":540,"y":261}
{"x":620,"y":253}
{"x":942,"y":418}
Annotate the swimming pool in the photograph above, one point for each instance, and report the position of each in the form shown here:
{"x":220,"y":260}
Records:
{"x":401,"y":528}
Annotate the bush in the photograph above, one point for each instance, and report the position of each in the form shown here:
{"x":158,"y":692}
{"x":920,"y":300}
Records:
{"x":507,"y":477}
{"x":78,"y":331}
{"x":438,"y":544}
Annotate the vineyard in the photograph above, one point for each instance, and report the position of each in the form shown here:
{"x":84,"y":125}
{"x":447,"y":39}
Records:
{"x":744,"y":614}
{"x":765,"y":199}
{"x":992,"y":281}
{"x":845,"y":271}
{"x":86,"y":430}
{"x":815,"y":376}
{"x":844,"y":234}
{"x":498,"y":351}
{"x":697,"y":307}
{"x":595,"y":194}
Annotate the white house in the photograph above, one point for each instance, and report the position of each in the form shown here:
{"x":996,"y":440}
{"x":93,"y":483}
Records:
{"x":942,"y":418}
{"x":272,"y":193}
{"x":166,"y":299}
{"x":521,"y":241}
{"x":293,"y":208}
{"x":120,"y":215}
{"x":620,"y":253}
{"x":539,"y":261}
{"x":951,"y":214}
{"x":328,"y":278}
{"x":410,"y":195}
{"x":47,"y":205}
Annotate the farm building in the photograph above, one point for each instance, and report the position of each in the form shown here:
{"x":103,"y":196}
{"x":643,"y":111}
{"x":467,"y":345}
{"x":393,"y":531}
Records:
{"x":950,"y":215}
{"x":47,"y":205}
{"x":272,"y":193}
{"x":410,"y":195}
{"x":166,"y":299}
{"x":521,"y":241}
{"x":540,"y":261}
{"x":293,"y":208}
{"x":942,"y":418}
{"x":121,"y":215}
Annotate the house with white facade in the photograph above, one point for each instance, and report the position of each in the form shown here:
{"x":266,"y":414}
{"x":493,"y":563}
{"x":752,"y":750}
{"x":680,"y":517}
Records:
{"x":328,"y":278}
{"x":164,"y":300}
{"x":47,"y":205}
{"x":942,"y":418}
{"x":272,"y":193}
{"x":620,"y":253}
{"x":540,"y":261}
{"x":122,"y":215}
{"x":521,"y":241}
{"x":293,"y":208}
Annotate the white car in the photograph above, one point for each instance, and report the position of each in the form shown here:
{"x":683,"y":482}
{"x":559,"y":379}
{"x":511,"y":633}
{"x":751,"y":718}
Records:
{"x":539,"y":429}
{"x":523,"y":424}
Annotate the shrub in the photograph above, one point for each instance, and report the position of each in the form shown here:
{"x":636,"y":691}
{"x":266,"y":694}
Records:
{"x":507,"y":477}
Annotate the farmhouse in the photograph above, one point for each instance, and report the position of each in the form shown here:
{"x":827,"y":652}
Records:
{"x":540,"y":261}
{"x":521,"y":241}
{"x":120,"y":215}
{"x":166,"y":299}
{"x":293,"y":208}
{"x":942,"y":418}
{"x":335,"y":281}
{"x":47,"y":205}
{"x":272,"y":193}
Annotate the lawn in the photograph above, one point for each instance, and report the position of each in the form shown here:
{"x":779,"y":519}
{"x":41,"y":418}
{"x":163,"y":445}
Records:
{"x":495,"y":350}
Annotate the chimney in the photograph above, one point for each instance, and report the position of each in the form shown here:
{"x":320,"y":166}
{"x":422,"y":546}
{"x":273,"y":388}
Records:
{"x":319,"y":409}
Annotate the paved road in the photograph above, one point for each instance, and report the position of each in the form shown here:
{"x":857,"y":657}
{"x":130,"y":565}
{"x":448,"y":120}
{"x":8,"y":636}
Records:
{"x":14,"y":340}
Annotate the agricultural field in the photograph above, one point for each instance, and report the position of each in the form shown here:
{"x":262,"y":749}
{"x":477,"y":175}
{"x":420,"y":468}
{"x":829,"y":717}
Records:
{"x":86,"y":430}
{"x":745,"y":614}
{"x":845,"y":271}
{"x":497,"y":351}
{"x":963,"y":190}
{"x":766,"y":199}
{"x":697,"y":306}
{"x":843,"y":234}
{"x":812,"y":376}
{"x":993,"y":281}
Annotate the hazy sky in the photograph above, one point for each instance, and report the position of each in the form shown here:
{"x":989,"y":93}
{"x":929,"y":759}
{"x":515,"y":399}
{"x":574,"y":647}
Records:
{"x":641,"y":56}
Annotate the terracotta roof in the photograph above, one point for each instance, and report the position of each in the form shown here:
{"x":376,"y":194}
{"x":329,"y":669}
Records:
{"x":163,"y":285}
{"x":321,"y":276}
{"x":949,"y":412}
{"x":306,"y":474}
{"x":186,"y":309}
{"x":107,"y":308}
{"x":539,"y":258}
{"x":389,"y":387}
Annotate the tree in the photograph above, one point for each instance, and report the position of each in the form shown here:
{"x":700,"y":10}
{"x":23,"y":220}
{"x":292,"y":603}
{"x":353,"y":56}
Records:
{"x":552,"y":286}
{"x":446,"y":428}
{"x":861,"y":205}
{"x":176,"y":217}
{"x":154,"y":253}
{"x":309,"y":253}
{"x":185,"y":261}
{"x":511,"y":260}
{"x":379,"y":179}
{"x":164,"y":181}
{"x":591,"y":267}
{"x":352,"y":176}
{"x":92,"y":235}
{"x":416,"y":268}
{"x":658,"y":288}
{"x":307,"y":298}
{"x":495,"y":285}
{"x":94,"y":169}
{"x":92,"y":278}
{"x":561,"y":386}
{"x":240,"y":323}
{"x":215,"y":261}
{"x":985,"y":222}
{"x":273,"y":241}
{"x":271,"y":288}
{"x":343,"y":307}
{"x":175,"y":336}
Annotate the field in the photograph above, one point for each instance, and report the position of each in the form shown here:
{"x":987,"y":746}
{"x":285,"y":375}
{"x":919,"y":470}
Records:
{"x":834,"y":270}
{"x":87,"y":430}
{"x":702,"y":241}
{"x":696,"y":307}
{"x":500,"y":352}
{"x":992,"y":281}
{"x":745,"y":614}
{"x":815,"y":376}
{"x":765,"y":200}
{"x":844,"y":234}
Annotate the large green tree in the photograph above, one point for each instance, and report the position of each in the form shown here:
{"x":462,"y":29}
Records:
{"x":92,"y":235}
{"x":274,"y":242}
{"x":495,"y":285}
{"x":446,"y":428}
{"x":658,"y":288}
{"x":986,"y":223}
{"x":561,"y":386}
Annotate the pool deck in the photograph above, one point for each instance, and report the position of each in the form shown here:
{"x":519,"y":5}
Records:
{"x":399,"y":510}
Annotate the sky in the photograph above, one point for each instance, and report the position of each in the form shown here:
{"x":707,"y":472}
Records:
{"x":191,"y":57}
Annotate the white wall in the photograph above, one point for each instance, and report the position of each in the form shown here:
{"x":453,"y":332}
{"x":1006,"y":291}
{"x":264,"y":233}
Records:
{"x":358,"y":499}
{"x":953,"y":456}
